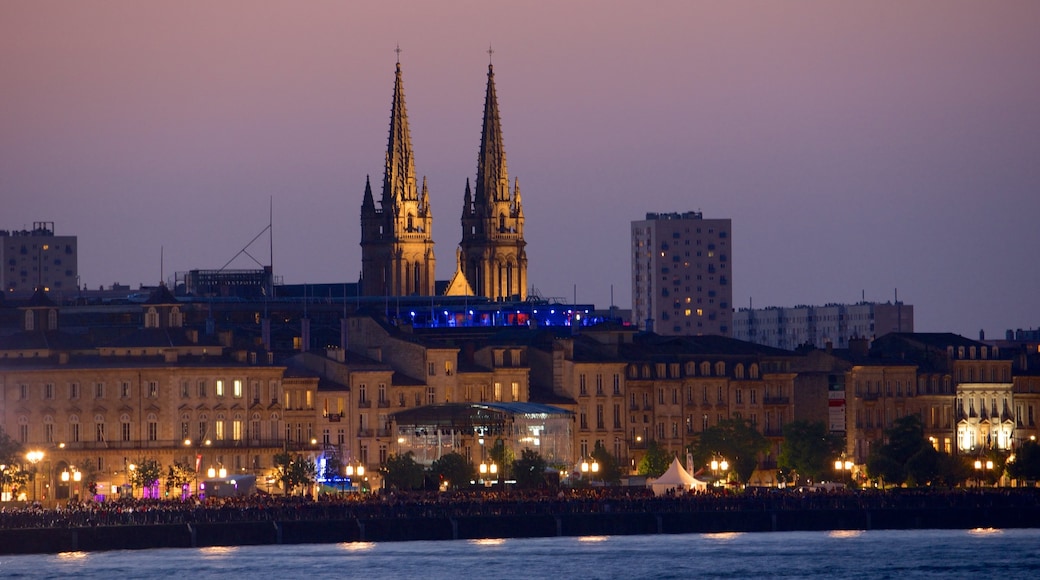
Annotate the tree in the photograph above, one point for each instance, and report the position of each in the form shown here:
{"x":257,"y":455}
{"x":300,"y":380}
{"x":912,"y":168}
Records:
{"x":655,"y":462}
{"x":735,"y":440}
{"x":178,"y":475}
{"x":145,"y":473}
{"x":809,"y":449}
{"x":503,"y":457}
{"x":454,"y":469}
{"x":402,"y":472}
{"x":1027,"y":462}
{"x":609,"y":470}
{"x":11,"y":457}
{"x":529,"y":470}
{"x":906,"y":439}
{"x":294,"y":471}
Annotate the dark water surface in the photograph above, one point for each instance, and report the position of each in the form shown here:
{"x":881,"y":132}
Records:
{"x":1004,"y":554}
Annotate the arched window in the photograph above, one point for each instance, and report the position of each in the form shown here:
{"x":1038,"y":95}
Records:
{"x":30,"y":321}
{"x":720,"y":369}
{"x":151,"y":318}
{"x":705,"y":369}
{"x":753,"y":371}
{"x":738,"y":371}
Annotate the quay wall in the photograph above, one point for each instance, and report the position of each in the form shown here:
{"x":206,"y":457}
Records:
{"x":131,"y":537}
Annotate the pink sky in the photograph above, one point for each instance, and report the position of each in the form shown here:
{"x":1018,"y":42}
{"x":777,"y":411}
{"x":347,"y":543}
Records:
{"x":858,"y":147}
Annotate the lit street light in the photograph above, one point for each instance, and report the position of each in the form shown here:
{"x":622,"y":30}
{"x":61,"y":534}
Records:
{"x":34,"y":457}
{"x":979,"y":464}
{"x":843,"y":466}
{"x":718,"y":466}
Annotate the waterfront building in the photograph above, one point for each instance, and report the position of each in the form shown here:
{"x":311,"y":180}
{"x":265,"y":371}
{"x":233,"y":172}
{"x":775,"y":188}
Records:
{"x":160,"y":391}
{"x":818,"y":326}
{"x":682,"y":274}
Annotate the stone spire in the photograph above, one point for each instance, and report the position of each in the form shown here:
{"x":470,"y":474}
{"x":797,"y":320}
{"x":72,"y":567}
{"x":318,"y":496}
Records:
{"x":492,"y":174}
{"x":399,"y":177}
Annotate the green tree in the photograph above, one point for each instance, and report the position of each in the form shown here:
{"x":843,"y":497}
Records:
{"x":294,"y":471}
{"x":178,"y":475}
{"x":809,"y":449}
{"x":146,"y":473}
{"x":1027,"y":462}
{"x":454,"y":469}
{"x":655,"y":462}
{"x":529,"y":470}
{"x":609,"y":470}
{"x":402,"y":472}
{"x":905,"y":439}
{"x":11,"y":458}
{"x":735,"y":440}
{"x":503,"y":456}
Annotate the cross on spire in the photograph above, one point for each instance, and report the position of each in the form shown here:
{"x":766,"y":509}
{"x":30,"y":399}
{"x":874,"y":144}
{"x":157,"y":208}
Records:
{"x":491,"y":52}
{"x":398,"y":51}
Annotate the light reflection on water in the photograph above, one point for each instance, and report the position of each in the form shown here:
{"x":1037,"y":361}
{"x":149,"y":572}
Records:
{"x":856,"y":553}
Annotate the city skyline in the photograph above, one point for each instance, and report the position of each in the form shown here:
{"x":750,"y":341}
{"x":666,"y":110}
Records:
{"x":858,"y":149}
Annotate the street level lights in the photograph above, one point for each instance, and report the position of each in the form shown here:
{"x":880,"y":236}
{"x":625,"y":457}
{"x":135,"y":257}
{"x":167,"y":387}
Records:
{"x":34,"y":457}
{"x":589,"y":468}
{"x":488,"y":468}
{"x":979,"y":465}
{"x":358,"y":471}
{"x":718,"y":466}
{"x":75,"y":476}
{"x":843,"y":466}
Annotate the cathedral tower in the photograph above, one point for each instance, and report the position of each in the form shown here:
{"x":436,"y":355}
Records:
{"x":396,"y":238}
{"x":492,"y":253}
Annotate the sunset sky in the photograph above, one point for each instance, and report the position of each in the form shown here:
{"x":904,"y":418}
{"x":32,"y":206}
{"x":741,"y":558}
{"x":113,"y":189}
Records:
{"x":858,"y":147}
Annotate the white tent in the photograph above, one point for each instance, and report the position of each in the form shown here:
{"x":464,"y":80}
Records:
{"x":676,"y":478}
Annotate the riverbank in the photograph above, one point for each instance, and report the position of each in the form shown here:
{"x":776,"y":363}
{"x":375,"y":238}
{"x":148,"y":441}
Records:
{"x":385,"y":529}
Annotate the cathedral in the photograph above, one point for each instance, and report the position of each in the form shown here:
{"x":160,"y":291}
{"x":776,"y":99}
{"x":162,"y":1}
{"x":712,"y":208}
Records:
{"x":396,"y":236}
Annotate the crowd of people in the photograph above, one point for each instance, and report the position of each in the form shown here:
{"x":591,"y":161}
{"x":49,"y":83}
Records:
{"x":491,"y":503}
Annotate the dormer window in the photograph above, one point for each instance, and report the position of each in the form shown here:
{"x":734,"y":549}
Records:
{"x":151,"y":318}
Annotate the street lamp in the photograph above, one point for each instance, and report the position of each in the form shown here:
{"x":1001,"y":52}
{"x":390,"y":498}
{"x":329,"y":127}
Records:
{"x":717,"y":466}
{"x":589,"y":468}
{"x":75,"y":476}
{"x":358,"y":471}
{"x":488,"y":468}
{"x":34,"y":457}
{"x":979,"y":464}
{"x":842,"y":466}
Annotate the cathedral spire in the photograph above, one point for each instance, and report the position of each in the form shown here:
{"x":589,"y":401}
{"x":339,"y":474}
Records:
{"x":492,"y":175}
{"x":399,"y":176}
{"x":368,"y":204}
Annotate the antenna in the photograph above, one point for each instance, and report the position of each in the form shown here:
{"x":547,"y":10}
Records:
{"x":161,"y":264}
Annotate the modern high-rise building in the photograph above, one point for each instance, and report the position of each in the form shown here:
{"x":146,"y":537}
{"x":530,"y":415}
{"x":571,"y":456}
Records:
{"x":819,"y":326}
{"x":681,"y":274}
{"x":38,"y":258}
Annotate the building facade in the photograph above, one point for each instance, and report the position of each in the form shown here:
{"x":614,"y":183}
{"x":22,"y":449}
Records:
{"x":818,"y":326}
{"x":397,"y":237}
{"x":38,"y":258}
{"x":492,"y":251}
{"x":682,"y":274}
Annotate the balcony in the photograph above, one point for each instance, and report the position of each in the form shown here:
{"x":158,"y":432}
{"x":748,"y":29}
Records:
{"x":776,"y":400}
{"x":364,"y":432}
{"x":869,"y":396}
{"x":384,"y":404}
{"x":364,"y":404}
